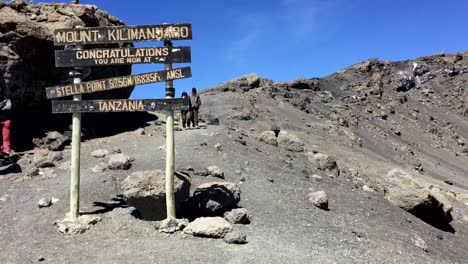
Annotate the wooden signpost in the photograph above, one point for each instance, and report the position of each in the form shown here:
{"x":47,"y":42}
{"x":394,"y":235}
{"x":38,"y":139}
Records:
{"x":80,"y":57}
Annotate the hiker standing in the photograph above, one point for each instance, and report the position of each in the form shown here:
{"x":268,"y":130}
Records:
{"x":5,"y":118}
{"x":195,"y":103}
{"x":183,"y":113}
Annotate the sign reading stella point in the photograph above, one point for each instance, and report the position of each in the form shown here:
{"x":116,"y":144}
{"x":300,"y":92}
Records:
{"x":117,"y":82}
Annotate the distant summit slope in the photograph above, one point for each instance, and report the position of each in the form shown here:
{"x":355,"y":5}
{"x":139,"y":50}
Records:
{"x":373,"y":116}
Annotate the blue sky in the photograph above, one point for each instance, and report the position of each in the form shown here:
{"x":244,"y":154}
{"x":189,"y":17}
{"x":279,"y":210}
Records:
{"x":289,"y":39}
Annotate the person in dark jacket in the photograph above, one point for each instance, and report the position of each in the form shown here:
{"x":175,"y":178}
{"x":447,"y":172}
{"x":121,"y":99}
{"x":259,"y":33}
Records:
{"x":195,"y":104}
{"x":185,"y":114}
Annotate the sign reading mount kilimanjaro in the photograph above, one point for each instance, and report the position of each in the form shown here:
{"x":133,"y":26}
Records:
{"x":115,"y":56}
{"x":101,"y":35}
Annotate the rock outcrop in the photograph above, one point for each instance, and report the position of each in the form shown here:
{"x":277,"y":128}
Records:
{"x":27,"y":51}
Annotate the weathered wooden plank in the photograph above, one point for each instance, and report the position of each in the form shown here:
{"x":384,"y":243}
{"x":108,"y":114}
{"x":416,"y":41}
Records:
{"x":117,"y":82}
{"x":119,"y":105}
{"x":101,"y":35}
{"x":115,"y":56}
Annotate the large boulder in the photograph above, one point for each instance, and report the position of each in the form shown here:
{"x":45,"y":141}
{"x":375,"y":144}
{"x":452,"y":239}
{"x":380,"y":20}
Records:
{"x":214,"y":227}
{"x":27,"y":51}
{"x":214,"y":198}
{"x":322,"y":161}
{"x":145,"y":190}
{"x":290,"y":142}
{"x":417,"y":197}
{"x":269,"y":137}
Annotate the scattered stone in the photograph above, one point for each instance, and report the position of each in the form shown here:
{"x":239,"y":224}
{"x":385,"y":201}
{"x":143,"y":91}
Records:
{"x":316,"y":177}
{"x":99,"y":153}
{"x":270,"y":180}
{"x":322,"y":161}
{"x":53,"y":141}
{"x":83,"y":223}
{"x":449,"y":182}
{"x":209,"y":119}
{"x":44,"y":202}
{"x":140,"y":131}
{"x":269,"y":138}
{"x":214,"y":227}
{"x":65,"y":165}
{"x":237,"y":216}
{"x":368,"y":189}
{"x":319,"y":199}
{"x":32,"y":172}
{"x":146,"y":191}
{"x":40,"y":259}
{"x":290,"y":142}
{"x":218,"y":147}
{"x":119,"y":162}
{"x":171,"y":225}
{"x":215,"y":171}
{"x":235,"y":237}
{"x":202,"y":172}
{"x":101,"y":167}
{"x":420,"y":243}
{"x":215,"y":197}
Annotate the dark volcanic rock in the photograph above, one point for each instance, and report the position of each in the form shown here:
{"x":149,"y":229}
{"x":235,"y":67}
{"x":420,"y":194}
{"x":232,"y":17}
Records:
{"x":214,"y":198}
{"x":27,"y":51}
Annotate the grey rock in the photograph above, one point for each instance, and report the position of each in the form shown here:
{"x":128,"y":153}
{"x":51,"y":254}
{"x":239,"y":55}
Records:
{"x":319,"y":199}
{"x":140,"y":131}
{"x":83,"y":223}
{"x":101,"y":167}
{"x":99,"y":153}
{"x":420,"y":243}
{"x":146,"y":191}
{"x":119,"y":162}
{"x":215,"y":197}
{"x":209,"y":119}
{"x":269,"y":137}
{"x":322,"y":161}
{"x":171,"y":225}
{"x":235,"y":237}
{"x":237,"y":216}
{"x":218,"y":147}
{"x":316,"y":177}
{"x":290,"y":142}
{"x":44,"y":202}
{"x":202,"y":172}
{"x":214,"y":227}
{"x":215,"y":171}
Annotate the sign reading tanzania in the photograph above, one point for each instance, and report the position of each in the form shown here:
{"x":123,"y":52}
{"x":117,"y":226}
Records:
{"x":117,"y":82}
{"x":119,"y":105}
{"x":100,"y":35}
{"x":113,"y":56}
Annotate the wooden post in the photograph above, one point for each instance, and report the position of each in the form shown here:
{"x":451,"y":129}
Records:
{"x":75,"y":152}
{"x":170,"y":148}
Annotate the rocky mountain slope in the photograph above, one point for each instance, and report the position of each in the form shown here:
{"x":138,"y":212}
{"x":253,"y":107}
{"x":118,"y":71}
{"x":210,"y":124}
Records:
{"x":384,"y":141}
